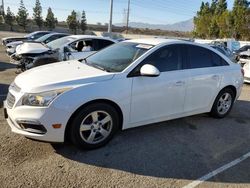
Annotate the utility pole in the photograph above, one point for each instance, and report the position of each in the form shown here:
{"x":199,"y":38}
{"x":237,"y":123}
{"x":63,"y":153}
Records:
{"x":111,"y":15}
{"x":128,"y":16}
{"x":2,"y":9}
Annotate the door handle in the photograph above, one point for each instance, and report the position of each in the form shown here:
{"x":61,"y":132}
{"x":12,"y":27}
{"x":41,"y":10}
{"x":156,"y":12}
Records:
{"x":179,"y":83}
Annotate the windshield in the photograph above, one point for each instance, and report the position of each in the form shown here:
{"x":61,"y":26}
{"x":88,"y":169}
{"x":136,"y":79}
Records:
{"x":29,"y":35}
{"x":43,"y":38}
{"x":117,"y":57}
{"x":55,"y":44}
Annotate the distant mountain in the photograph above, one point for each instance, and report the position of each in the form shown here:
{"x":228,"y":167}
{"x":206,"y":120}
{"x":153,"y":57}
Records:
{"x":187,"y":25}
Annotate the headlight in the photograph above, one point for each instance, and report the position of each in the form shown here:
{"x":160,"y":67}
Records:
{"x":41,"y":99}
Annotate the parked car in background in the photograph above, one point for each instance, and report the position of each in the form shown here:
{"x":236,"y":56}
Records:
{"x":31,"y":55}
{"x":243,"y":49}
{"x":32,"y":36}
{"x":11,"y":47}
{"x":246,"y":68}
{"x":227,"y":52}
{"x":128,"y":84}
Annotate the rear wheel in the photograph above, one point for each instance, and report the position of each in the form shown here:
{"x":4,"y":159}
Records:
{"x":223,"y":103}
{"x":94,"y":126}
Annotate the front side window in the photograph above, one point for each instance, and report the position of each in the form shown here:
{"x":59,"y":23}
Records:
{"x":81,"y":46}
{"x":166,"y":59}
{"x":117,"y":57}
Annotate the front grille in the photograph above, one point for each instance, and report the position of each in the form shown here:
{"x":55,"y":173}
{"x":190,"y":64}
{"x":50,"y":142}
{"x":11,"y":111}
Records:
{"x":10,"y":100}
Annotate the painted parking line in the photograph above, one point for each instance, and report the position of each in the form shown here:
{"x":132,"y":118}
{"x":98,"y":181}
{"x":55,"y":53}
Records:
{"x":217,"y":171}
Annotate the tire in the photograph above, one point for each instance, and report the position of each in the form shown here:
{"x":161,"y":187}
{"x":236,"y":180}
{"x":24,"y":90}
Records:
{"x":94,"y":126}
{"x":221,"y":109}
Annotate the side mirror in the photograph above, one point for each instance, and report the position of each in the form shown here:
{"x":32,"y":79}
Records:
{"x":66,"y":49}
{"x":149,"y":70}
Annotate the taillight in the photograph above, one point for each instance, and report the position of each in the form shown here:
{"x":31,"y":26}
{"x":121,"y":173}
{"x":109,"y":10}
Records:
{"x":242,"y":72}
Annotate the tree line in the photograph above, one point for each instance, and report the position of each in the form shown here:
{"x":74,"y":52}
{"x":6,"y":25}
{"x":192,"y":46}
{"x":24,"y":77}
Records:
{"x":216,"y":21}
{"x":74,"y":23}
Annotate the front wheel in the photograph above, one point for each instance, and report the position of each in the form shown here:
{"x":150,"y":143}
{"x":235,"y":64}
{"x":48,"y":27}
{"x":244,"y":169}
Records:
{"x":223,"y":103}
{"x":94,"y":126}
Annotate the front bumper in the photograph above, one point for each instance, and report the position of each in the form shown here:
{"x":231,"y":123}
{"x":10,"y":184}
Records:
{"x":39,"y":120}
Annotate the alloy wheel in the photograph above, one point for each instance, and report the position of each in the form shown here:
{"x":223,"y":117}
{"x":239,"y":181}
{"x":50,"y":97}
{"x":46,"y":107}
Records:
{"x":96,"y":127}
{"x":224,"y":103}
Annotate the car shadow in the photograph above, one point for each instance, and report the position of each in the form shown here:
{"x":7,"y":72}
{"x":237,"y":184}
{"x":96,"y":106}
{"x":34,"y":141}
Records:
{"x":5,"y":66}
{"x":186,"y":148}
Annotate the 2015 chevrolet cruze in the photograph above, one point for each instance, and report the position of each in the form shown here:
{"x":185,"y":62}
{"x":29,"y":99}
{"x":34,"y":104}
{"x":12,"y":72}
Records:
{"x":126,"y":85}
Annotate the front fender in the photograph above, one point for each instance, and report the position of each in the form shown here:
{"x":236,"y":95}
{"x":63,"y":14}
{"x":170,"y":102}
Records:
{"x":112,"y":90}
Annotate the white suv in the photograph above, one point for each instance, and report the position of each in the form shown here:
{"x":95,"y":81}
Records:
{"x":126,"y":85}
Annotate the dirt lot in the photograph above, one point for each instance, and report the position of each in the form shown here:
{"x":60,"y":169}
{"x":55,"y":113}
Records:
{"x":169,"y":154}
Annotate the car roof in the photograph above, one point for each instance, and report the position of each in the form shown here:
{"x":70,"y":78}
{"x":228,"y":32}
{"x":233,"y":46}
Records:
{"x":41,"y":32}
{"x":153,"y":41}
{"x":51,"y":34}
{"x":90,"y":36}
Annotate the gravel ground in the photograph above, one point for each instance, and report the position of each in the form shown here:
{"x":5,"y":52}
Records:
{"x":167,"y":154}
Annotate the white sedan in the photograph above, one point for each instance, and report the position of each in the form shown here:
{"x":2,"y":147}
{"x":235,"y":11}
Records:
{"x":129,"y":84}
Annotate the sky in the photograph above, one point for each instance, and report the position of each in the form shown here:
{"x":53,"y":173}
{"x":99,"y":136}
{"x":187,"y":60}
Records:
{"x":147,"y":11}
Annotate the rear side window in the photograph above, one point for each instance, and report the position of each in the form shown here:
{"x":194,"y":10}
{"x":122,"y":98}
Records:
{"x":200,"y":57}
{"x":217,"y":60}
{"x":100,"y":44}
{"x":166,"y":59}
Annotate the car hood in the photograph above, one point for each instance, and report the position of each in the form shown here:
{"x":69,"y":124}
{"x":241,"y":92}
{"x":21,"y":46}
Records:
{"x":31,"y":48}
{"x":13,"y":44}
{"x":58,"y":75}
{"x":14,"y":38}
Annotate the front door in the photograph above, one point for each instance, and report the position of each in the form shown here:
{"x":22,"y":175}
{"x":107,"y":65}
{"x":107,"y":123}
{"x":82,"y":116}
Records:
{"x":157,"y":98}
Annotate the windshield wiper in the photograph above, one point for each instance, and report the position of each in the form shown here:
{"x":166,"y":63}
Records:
{"x":99,"y":67}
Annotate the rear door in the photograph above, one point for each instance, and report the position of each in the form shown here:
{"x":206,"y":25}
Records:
{"x":206,"y":70}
